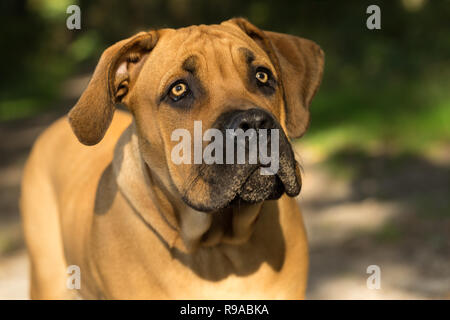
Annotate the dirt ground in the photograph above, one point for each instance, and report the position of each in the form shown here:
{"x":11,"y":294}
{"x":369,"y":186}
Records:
{"x":392,"y":213}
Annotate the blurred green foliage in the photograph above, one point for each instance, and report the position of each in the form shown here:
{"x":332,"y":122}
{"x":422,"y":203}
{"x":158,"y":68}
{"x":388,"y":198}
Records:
{"x":387,"y":88}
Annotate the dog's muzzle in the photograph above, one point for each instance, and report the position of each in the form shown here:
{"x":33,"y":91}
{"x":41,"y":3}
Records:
{"x":260,"y":176}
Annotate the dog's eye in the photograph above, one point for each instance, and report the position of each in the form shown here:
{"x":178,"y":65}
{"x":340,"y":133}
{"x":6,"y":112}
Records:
{"x":178,"y":91}
{"x":262,"y":77}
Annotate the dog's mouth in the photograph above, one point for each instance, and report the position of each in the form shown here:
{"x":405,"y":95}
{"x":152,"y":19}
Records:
{"x":265,"y":172}
{"x":257,"y":188}
{"x":247,"y":185}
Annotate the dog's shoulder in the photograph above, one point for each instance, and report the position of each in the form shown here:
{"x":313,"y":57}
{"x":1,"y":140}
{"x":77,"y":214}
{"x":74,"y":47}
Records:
{"x":60,"y":134}
{"x":57,"y":146}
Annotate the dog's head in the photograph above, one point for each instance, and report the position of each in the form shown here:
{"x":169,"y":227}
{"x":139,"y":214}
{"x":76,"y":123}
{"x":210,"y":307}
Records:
{"x":180,"y":83}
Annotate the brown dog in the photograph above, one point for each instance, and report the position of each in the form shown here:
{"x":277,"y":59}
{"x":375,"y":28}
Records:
{"x":140,"y":226}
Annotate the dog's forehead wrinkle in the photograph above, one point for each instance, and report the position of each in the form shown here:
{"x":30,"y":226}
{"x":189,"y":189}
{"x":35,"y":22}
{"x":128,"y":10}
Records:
{"x":190,"y":64}
{"x":214,"y":44}
{"x":248,"y":54}
{"x":208,"y":58}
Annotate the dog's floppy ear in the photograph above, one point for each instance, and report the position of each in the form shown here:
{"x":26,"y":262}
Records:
{"x":300,"y":63}
{"x":111,"y":81}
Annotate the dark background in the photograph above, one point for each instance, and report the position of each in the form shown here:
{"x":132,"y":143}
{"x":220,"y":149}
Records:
{"x":376,"y":157}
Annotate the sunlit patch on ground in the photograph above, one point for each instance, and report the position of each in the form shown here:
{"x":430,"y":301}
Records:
{"x":394,"y":214}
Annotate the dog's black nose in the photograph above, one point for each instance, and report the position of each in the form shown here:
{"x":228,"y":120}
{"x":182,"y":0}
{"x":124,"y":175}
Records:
{"x":250,"y":119}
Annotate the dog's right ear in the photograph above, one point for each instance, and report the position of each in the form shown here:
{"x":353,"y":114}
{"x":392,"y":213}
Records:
{"x":112,"y":79}
{"x":299,"y":62}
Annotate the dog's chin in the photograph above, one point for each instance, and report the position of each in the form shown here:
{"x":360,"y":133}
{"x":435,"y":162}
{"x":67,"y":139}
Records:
{"x":259,"y":187}
{"x":254,"y":189}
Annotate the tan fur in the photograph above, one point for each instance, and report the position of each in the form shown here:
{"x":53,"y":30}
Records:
{"x":115,"y":208}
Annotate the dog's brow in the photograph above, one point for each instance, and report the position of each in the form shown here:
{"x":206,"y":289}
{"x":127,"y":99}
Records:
{"x":190,"y":64}
{"x":248,"y":55}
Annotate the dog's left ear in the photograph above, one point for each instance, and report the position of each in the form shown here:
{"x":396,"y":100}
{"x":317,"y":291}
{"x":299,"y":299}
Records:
{"x":300,"y":63}
{"x":113,"y":77}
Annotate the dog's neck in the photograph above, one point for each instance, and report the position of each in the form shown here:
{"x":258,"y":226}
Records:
{"x":163,"y":211}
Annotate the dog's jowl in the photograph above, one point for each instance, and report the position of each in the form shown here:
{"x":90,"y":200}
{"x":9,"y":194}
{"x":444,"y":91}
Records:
{"x":102,"y":190}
